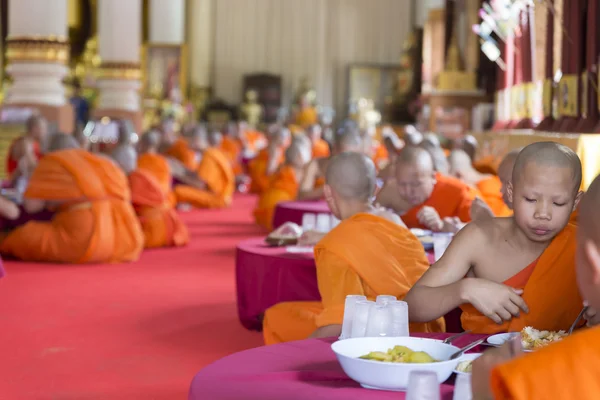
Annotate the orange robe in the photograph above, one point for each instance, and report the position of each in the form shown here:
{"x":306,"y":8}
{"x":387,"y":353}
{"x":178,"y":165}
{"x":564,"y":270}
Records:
{"x":380,"y":155}
{"x":565,"y":370}
{"x":257,"y":169}
{"x":96,"y":222}
{"x":320,"y":149}
{"x":487,"y":165}
{"x":306,"y":117}
{"x":284,"y":187}
{"x":549,"y":290}
{"x":255,"y":140}
{"x":158,"y":166}
{"x":232,"y":148}
{"x":161,"y":225}
{"x":214,"y":170}
{"x":450,"y":198}
{"x":364,"y":255}
{"x":490,"y":189}
{"x":12,"y":164}
{"x":182,"y":152}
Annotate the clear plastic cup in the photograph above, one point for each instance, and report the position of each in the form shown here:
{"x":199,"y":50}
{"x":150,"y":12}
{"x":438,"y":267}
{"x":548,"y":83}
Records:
{"x":423,"y":385}
{"x":309,"y":222}
{"x":334,"y":221}
{"x":441,"y":241}
{"x":349,"y":314}
{"x":379,"y":323}
{"x":385,"y":299}
{"x":400,"y":327}
{"x":323,"y":223}
{"x":462,"y":387}
{"x":362,"y":309}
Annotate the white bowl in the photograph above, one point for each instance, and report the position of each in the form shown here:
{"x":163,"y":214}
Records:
{"x":391,"y":376}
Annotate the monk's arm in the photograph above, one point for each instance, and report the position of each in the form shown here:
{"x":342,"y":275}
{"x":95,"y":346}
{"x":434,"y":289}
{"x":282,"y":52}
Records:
{"x":185,"y":176}
{"x":32,"y":206}
{"x":336,"y":280}
{"x":464,"y":208}
{"x":273,"y":162}
{"x":307,"y":186}
{"x":8,"y":209}
{"x":443,"y":287}
{"x":388,"y":197}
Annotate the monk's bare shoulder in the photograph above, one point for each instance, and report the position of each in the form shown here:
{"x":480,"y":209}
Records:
{"x":476,"y":235}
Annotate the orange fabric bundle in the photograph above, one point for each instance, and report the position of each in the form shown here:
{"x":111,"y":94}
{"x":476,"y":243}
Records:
{"x":550,"y":292}
{"x":284,"y":187}
{"x":96,"y":222}
{"x":364,"y":255}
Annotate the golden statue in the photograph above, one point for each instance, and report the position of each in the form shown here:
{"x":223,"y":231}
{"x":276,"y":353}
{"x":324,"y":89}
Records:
{"x":84,"y":70}
{"x":453,"y":58}
{"x":251,"y":110}
{"x":305,"y":93}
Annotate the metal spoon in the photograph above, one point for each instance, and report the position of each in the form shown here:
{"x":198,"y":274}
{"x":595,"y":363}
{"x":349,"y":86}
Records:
{"x":572,"y":328}
{"x":466,"y":348}
{"x":454,"y":337}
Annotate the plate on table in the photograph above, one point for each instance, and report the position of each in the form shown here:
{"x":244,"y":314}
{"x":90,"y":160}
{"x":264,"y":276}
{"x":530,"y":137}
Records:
{"x":465,"y":363}
{"x":501,"y":338}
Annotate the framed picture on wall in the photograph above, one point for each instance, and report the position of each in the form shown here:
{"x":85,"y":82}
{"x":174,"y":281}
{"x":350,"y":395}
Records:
{"x":377,"y":82}
{"x":164,"y":71}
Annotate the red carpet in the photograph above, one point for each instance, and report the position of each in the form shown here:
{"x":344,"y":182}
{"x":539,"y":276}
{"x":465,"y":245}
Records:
{"x":126,"y":331}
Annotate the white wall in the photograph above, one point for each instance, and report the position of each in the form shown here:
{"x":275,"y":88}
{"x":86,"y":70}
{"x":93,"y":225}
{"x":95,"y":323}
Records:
{"x":294,"y":38}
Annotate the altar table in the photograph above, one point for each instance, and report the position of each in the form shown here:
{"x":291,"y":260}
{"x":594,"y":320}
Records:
{"x":292,"y":211}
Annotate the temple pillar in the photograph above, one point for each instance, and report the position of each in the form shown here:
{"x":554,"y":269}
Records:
{"x":589,"y":78}
{"x":200,"y":48}
{"x":167,"y":22}
{"x":526,"y":89}
{"x":544,"y":75}
{"x":38,"y":54}
{"x":119,"y":77}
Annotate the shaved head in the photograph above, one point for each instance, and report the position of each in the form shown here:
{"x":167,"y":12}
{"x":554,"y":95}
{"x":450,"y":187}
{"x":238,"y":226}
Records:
{"x":412,"y":136}
{"x":352,"y":176}
{"x":415,"y":156}
{"x":432,"y":139}
{"x":349,"y":140}
{"x":61,"y":141}
{"x":298,"y":152}
{"x":199,"y":139}
{"x":415,"y":175}
{"x":215,"y":138}
{"x":150,"y":141}
{"x":588,"y":244}
{"x":505,"y":170}
{"x":440,"y":163}
{"x":459,"y":162}
{"x":549,"y":154}
{"x":468,"y":143}
{"x":126,"y":156}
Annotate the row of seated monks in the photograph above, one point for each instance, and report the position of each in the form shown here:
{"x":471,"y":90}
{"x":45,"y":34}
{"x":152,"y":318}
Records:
{"x":511,"y":264}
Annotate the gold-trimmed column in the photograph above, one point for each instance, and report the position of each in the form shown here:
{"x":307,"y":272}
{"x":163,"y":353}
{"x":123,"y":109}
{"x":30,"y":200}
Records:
{"x":37,"y":52}
{"x":119,"y":75}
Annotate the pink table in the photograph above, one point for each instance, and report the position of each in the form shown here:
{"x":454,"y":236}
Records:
{"x":2,"y":272}
{"x":267,"y":275}
{"x":292,"y":211}
{"x":301,"y":370}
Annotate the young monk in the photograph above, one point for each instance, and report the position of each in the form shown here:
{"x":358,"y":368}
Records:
{"x":509,"y":273}
{"x":567,"y":369}
{"x":320,"y":148}
{"x":369,"y":253}
{"x":94,"y":221}
{"x":214,"y":171}
{"x":284,"y":183}
{"x":428,"y":199}
{"x":160,"y":223}
{"x":268,"y":160}
{"x":311,"y":186}
{"x":28,"y":146}
{"x":488,"y":185}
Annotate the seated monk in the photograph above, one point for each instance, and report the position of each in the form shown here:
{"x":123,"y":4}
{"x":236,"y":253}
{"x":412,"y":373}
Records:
{"x":510,"y":273}
{"x":563,"y":370}
{"x":428,"y":199}
{"x":161,"y":225}
{"x":268,"y":160}
{"x":27,"y":149}
{"x":311,"y":186}
{"x":432,"y":145}
{"x":306,"y":115}
{"x":253,"y":140}
{"x":489,"y":186}
{"x":179,"y":148}
{"x":320,"y":148}
{"x":284,"y":183}
{"x":233,"y":147}
{"x":214,"y":171}
{"x":94,"y":221}
{"x":369,"y":253}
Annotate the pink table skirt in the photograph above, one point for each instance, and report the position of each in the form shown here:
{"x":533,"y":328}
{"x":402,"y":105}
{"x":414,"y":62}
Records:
{"x":301,"y":370}
{"x":266,"y":276}
{"x":292,"y":211}
{"x":2,"y":272}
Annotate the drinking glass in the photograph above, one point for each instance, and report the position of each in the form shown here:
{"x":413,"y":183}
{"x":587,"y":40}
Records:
{"x":384,"y":299}
{"x":441,"y":241}
{"x":323,"y":223}
{"x":462,"y":387}
{"x":349,"y":314}
{"x":309,"y":222}
{"x":380,"y":321}
{"x":423,"y":385}
{"x":362,"y":309}
{"x":334,"y":221}
{"x":400,"y":327}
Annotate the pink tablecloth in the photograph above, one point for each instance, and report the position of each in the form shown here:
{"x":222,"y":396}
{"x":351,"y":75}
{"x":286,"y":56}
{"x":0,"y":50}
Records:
{"x":292,"y":211}
{"x":2,"y":272}
{"x":266,"y":276}
{"x":293,"y":371}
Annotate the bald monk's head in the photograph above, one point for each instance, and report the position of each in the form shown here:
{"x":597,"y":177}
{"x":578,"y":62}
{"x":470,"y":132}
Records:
{"x":415,"y":175}
{"x":544,"y":189}
{"x":432,"y":140}
{"x":61,"y":141}
{"x":440,"y":163}
{"x":149,"y":142}
{"x":350,"y":182}
{"x":505,"y":170}
{"x":348,"y":140}
{"x":314,"y":133}
{"x":588,"y":246}
{"x":126,"y":157}
{"x":468,"y":144}
{"x":198,"y":140}
{"x":298,"y":153}
{"x":215,"y":138}
{"x":412,"y":136}
{"x":280,"y":137}
{"x":460,"y":164}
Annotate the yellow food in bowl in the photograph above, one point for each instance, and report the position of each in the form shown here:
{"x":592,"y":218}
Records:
{"x":400,"y":354}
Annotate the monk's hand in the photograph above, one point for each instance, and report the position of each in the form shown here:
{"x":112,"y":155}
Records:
{"x":310,"y":238}
{"x":496,"y":301}
{"x":430,"y":218}
{"x":483,"y":366}
{"x":480,"y":210}
{"x":592,"y":316}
